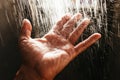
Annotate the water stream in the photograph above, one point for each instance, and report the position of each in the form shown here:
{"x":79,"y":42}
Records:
{"x":45,"y":13}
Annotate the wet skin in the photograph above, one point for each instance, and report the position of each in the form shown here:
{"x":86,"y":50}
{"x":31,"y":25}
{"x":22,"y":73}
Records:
{"x":44,"y":58}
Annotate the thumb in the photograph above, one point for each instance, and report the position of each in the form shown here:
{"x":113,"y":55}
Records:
{"x":26,"y":29}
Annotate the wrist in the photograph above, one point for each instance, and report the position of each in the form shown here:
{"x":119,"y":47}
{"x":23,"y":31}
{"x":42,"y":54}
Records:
{"x":25,"y":73}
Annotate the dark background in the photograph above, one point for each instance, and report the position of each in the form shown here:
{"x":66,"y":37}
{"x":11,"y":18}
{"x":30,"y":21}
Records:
{"x":96,"y":63}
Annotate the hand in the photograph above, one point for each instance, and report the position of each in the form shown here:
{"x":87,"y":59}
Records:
{"x":45,"y":57}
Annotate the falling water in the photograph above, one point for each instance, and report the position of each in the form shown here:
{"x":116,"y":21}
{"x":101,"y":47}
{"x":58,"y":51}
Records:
{"x":45,"y":13}
{"x":94,"y":9}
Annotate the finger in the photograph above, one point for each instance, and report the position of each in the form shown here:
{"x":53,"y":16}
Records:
{"x":78,"y":31}
{"x":26,"y":29}
{"x":61,"y":22}
{"x":86,"y":43}
{"x":68,"y":27}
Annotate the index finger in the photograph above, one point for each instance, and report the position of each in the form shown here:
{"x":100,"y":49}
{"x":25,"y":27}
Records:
{"x":86,"y":43}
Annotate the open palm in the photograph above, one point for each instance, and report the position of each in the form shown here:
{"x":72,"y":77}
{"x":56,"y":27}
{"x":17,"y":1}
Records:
{"x":47,"y":56}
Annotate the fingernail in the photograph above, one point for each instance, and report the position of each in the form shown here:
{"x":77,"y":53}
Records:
{"x":68,"y":16}
{"x":86,"y":21}
{"x":26,"y":24}
{"x":25,"y":21}
{"x":78,"y":15}
{"x":97,"y":35}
